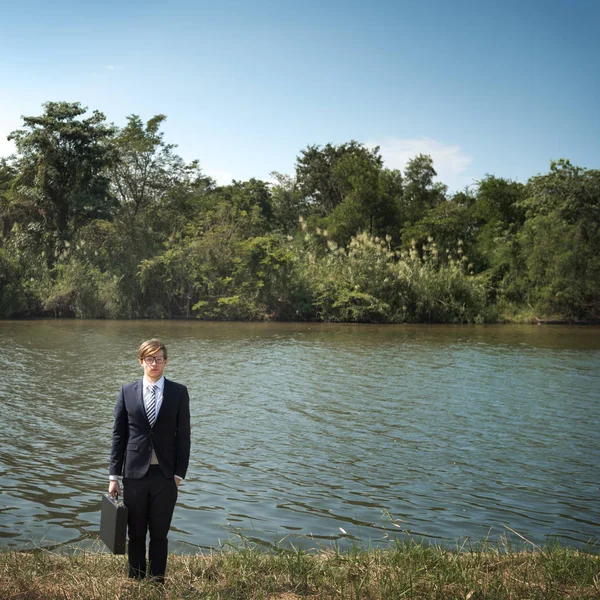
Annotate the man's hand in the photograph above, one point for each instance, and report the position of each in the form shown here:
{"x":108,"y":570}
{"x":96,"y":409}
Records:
{"x":177,"y":481}
{"x":113,"y":488}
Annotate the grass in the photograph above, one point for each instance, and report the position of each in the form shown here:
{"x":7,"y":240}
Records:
{"x":408,"y":570}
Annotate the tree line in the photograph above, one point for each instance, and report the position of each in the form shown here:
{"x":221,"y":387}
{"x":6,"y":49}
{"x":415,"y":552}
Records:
{"x":100,"y":221}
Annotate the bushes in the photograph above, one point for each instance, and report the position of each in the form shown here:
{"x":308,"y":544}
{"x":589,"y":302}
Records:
{"x":266,"y":277}
{"x":370,"y":282}
{"x":13,"y":297}
{"x":83,"y":291}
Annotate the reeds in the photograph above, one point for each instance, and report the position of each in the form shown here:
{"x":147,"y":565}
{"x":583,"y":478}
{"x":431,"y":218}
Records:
{"x":368,"y":281}
{"x":408,"y":570}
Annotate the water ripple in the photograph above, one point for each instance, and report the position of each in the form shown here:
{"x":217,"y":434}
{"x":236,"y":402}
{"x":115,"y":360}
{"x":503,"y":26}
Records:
{"x":300,"y":430}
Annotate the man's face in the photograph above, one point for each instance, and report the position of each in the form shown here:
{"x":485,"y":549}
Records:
{"x":154,"y":365}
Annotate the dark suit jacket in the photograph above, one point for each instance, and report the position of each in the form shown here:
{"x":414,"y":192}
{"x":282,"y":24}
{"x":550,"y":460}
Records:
{"x":133,"y":438}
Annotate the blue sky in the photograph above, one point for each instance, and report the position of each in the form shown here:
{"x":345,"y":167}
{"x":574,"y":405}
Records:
{"x":484,"y":87}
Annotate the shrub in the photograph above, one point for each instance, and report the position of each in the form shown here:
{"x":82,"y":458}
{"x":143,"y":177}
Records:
{"x":370,"y":282}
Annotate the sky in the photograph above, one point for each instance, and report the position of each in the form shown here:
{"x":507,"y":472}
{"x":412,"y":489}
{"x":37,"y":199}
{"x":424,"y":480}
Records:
{"x":484,"y":87}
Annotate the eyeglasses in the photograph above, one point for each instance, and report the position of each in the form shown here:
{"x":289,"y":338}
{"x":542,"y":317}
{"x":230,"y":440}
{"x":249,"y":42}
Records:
{"x":150,"y":360}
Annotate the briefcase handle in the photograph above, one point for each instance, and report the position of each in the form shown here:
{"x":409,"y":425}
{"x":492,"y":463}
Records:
{"x":117,"y":500}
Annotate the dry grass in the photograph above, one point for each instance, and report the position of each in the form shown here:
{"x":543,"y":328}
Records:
{"x":410,"y":570}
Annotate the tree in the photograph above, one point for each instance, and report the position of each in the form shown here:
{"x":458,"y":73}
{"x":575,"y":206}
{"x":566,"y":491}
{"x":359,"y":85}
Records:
{"x":145,"y":170}
{"x":451,"y":225}
{"x":559,"y":263}
{"x":320,"y":178}
{"x":62,"y":171}
{"x":573,"y":192}
{"x":245,"y":205}
{"x":371,"y":201}
{"x":346,"y":190}
{"x":500,"y":216}
{"x":420,"y":191}
{"x":498,"y":202}
{"x":288,"y":202}
{"x":8,"y":176}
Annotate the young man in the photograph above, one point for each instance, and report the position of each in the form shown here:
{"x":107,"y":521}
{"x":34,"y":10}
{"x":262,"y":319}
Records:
{"x":151,"y":450}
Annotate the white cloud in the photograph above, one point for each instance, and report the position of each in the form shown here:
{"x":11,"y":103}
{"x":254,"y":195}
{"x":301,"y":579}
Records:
{"x":450,"y":162}
{"x":220,"y":176}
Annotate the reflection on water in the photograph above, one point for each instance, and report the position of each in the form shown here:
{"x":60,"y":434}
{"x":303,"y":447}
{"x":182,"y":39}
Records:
{"x":300,"y":431}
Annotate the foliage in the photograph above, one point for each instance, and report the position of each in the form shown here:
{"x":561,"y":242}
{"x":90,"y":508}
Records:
{"x":62,"y":181}
{"x":83,"y":291}
{"x":420,"y":191}
{"x":500,"y":215}
{"x":288,"y":203}
{"x":99,"y":221}
{"x":144,"y":169}
{"x":449,"y":222}
{"x":8,"y":212}
{"x":321,"y":175}
{"x":13,"y":298}
{"x":346,"y":190}
{"x":560,"y":243}
{"x":370,"y":282}
{"x":370,"y":204}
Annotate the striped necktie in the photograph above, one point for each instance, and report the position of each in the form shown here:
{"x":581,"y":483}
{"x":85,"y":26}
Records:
{"x":151,"y":408}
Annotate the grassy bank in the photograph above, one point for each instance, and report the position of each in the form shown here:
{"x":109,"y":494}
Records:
{"x":410,"y":570}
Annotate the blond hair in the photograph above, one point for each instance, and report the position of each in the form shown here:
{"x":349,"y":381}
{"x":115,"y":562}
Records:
{"x":151,"y":347}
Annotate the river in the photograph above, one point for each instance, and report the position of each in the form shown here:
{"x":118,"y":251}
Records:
{"x":314,"y":434}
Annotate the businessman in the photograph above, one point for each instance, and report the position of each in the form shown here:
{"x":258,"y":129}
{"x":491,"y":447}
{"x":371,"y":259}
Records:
{"x":151,"y":450}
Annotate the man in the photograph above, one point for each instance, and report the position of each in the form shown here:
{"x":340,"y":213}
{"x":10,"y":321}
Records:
{"x":151,"y":449}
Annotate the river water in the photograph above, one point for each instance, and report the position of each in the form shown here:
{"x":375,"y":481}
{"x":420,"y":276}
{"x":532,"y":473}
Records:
{"x":314,"y":435}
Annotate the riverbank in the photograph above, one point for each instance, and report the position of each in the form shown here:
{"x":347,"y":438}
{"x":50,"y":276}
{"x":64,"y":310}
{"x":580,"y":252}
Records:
{"x":410,"y":570}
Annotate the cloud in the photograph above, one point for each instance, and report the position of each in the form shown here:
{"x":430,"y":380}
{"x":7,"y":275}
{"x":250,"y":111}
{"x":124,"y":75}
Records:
{"x":221,"y":176}
{"x":112,"y":68}
{"x":450,"y":161}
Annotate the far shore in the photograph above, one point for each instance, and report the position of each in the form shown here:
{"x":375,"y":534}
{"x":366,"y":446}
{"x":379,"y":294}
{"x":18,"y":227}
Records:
{"x":529,"y":320}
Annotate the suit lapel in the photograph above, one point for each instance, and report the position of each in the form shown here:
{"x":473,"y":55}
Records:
{"x":165,"y":400}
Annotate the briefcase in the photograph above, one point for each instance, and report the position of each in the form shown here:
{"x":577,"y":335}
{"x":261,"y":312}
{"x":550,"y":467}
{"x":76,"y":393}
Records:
{"x":113,"y":524}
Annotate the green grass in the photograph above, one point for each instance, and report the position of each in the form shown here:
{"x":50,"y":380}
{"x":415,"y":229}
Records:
{"x":409,"y":570}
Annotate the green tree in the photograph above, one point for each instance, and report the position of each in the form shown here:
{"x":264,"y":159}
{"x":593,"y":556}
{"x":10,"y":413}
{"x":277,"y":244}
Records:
{"x":420,"y":191}
{"x":245,"y":205}
{"x":346,"y":190}
{"x":558,"y":267}
{"x":288,"y":203}
{"x":13,"y":297}
{"x":498,"y":202}
{"x":452,"y":225}
{"x":8,"y":212}
{"x":500,"y":217}
{"x":62,"y":180}
{"x":322,"y":181}
{"x":371,"y":201}
{"x":145,"y":171}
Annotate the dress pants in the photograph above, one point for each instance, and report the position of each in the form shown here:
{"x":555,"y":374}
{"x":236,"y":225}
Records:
{"x":150,"y":503}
